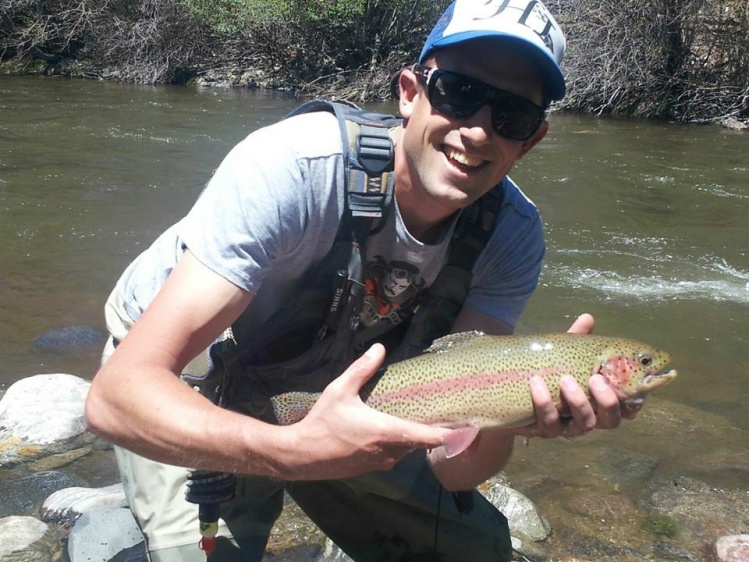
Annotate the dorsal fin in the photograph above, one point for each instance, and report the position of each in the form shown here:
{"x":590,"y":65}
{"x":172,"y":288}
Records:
{"x":453,"y":341}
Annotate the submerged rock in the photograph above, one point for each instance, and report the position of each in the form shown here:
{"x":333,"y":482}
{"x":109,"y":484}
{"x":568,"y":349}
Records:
{"x":60,"y":459}
{"x":701,"y":512}
{"x":24,"y":496}
{"x":70,"y":339}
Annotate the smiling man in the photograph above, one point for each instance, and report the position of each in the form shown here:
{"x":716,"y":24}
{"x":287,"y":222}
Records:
{"x":233,"y":274}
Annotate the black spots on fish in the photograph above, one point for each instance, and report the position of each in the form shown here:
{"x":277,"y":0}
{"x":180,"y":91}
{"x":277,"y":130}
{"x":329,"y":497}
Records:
{"x":485,"y":380}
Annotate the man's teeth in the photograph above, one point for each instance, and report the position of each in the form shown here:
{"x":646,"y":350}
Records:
{"x":462,"y":158}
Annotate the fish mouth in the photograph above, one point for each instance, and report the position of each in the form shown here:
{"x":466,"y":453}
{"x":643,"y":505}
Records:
{"x":654,"y":380}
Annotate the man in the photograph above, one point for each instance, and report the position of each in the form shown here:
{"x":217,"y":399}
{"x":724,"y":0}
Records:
{"x":472,"y":107}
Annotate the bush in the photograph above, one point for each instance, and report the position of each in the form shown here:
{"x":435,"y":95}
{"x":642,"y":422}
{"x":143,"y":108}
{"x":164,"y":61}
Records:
{"x":142,"y":40}
{"x":672,"y":59}
{"x":348,"y":47}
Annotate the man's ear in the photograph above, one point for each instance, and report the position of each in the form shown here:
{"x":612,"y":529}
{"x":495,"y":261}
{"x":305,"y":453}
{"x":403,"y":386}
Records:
{"x":535,"y":139}
{"x":408,"y":84}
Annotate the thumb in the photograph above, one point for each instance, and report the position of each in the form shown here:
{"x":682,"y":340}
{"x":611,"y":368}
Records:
{"x":363,"y":369}
{"x":582,"y":325}
{"x":410,"y":434}
{"x":416,"y":435}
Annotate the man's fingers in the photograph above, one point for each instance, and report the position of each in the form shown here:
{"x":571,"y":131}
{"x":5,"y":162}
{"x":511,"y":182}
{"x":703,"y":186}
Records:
{"x":547,"y":415}
{"x":581,"y":410}
{"x":608,"y":410}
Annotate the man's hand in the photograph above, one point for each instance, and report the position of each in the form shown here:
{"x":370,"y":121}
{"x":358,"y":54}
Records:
{"x":579,"y":414}
{"x":342,"y":437}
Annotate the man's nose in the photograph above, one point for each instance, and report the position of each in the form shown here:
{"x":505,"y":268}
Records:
{"x":478,"y":127}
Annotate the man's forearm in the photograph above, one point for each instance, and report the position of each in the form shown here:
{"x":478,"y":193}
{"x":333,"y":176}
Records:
{"x":169,"y":422}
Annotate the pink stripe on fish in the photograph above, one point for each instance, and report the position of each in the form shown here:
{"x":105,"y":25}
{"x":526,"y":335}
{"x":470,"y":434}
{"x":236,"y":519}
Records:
{"x":462,"y":383}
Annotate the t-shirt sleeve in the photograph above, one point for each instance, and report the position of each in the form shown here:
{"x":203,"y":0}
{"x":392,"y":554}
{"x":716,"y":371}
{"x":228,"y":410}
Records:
{"x":507,"y":271}
{"x":258,"y":207}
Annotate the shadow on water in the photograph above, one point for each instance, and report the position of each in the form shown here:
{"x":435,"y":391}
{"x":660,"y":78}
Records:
{"x":646,"y":227}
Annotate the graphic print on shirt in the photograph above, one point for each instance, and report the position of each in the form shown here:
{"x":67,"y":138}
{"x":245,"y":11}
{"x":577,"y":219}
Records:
{"x":390,"y":289}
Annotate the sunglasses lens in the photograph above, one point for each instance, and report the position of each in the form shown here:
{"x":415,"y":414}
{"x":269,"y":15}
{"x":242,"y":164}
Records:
{"x":457,"y":96}
{"x":460,"y":97}
{"x":514,"y":117}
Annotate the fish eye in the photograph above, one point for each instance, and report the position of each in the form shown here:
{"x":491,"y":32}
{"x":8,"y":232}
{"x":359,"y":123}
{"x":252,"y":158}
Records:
{"x":645,"y":359}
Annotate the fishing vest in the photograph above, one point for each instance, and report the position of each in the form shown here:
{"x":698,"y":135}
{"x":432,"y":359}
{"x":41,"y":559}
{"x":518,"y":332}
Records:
{"x":316,"y":336}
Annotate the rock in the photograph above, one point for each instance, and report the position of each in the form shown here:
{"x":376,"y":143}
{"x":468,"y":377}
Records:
{"x":573,"y":545}
{"x":600,"y":506}
{"x":729,"y":467}
{"x":733,"y":548}
{"x":522,"y":515}
{"x":24,"y":496}
{"x":26,"y":539}
{"x":64,"y":507}
{"x":332,"y":553}
{"x":43,"y":415}
{"x":61,"y":459}
{"x":670,"y":552}
{"x":19,"y":533}
{"x":528,"y":550}
{"x":306,"y":553}
{"x":735,"y":124}
{"x":85,"y":540}
{"x":70,"y":339}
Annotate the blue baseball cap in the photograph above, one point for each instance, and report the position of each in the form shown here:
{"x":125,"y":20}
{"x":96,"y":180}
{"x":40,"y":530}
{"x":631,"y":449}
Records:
{"x":523,"y":24}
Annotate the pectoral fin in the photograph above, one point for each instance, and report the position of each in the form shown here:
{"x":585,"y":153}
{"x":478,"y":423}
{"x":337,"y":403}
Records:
{"x":459,"y":440}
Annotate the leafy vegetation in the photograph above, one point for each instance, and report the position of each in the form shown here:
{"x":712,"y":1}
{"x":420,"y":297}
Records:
{"x":672,"y":59}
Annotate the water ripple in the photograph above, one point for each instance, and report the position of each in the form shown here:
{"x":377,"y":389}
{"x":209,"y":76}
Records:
{"x":733,"y":286}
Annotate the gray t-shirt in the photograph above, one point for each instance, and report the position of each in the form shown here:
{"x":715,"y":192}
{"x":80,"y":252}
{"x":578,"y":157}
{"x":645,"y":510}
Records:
{"x":272,"y":210}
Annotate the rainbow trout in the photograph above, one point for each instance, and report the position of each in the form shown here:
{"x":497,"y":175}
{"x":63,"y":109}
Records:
{"x":473,"y":379}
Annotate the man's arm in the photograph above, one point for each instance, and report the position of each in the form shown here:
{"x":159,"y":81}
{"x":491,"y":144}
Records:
{"x":492,"y":449}
{"x":138,"y":401}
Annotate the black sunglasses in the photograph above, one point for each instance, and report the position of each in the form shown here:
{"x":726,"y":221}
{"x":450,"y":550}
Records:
{"x":459,"y":97}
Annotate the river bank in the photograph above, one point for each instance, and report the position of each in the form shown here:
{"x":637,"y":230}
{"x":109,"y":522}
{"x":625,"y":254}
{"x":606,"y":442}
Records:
{"x":373,"y":85}
{"x":673,"y":61}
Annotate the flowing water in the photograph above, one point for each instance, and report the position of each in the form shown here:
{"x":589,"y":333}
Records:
{"x":646,"y":224}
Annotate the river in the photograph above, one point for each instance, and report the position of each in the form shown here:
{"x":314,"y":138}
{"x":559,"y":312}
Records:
{"x":646,"y":224}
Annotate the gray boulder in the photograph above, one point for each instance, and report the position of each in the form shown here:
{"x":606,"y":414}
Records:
{"x":26,"y":539}
{"x":65,"y":506}
{"x":522,"y":515}
{"x":127,"y":544}
{"x":43,"y":415}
